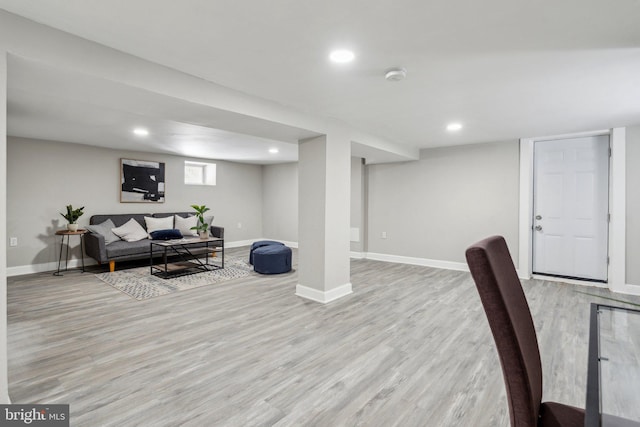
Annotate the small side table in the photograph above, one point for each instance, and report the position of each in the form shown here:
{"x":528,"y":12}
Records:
{"x":68,"y":234}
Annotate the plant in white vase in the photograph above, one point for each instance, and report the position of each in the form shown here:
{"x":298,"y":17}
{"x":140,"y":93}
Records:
{"x":72,"y":216}
{"x":202,"y":227}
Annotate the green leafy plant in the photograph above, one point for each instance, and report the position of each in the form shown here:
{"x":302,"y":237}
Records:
{"x":202,"y":226}
{"x":72,"y":215}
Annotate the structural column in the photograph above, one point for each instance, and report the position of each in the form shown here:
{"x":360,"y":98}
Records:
{"x":324,"y":174}
{"x":4,"y":386}
{"x":618,"y":209}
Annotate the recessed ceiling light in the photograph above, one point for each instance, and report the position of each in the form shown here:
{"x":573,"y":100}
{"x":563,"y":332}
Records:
{"x":452,"y":127}
{"x":273,"y":150}
{"x":141,"y":131}
{"x":341,"y":56}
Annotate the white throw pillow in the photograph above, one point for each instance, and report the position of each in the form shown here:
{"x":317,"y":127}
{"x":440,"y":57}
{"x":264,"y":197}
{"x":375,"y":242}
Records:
{"x":185,"y":224}
{"x":155,"y":224}
{"x":131,"y":231}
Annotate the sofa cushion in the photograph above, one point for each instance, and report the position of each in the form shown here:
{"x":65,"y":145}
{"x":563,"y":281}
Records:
{"x":185,"y":224}
{"x":154,"y":224}
{"x":131,"y":231}
{"x":124,"y":249}
{"x":168,"y":234}
{"x":104,"y":229}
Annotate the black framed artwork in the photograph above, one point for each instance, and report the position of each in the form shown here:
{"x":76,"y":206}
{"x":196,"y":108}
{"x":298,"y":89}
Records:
{"x":141,"y":181}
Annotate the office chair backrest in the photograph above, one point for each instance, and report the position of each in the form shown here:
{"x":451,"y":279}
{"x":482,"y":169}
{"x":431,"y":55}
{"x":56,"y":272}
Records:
{"x":510,"y":321}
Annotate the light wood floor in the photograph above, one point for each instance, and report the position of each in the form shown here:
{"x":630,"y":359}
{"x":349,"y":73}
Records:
{"x":410,"y":347}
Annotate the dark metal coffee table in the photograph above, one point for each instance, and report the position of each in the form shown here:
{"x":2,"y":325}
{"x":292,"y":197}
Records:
{"x":186,"y":256}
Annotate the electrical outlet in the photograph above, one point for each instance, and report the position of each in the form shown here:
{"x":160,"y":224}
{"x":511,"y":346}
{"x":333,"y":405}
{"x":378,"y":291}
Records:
{"x":239,"y":225}
{"x":13,"y":241}
{"x":384,"y":235}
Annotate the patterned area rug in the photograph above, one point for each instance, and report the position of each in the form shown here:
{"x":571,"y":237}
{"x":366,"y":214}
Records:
{"x":138,"y":283}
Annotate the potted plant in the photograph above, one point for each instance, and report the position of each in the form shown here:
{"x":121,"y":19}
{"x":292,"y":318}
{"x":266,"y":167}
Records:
{"x":202,"y":227}
{"x":72,"y":216}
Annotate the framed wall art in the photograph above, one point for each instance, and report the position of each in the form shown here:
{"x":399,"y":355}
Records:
{"x":141,"y":181}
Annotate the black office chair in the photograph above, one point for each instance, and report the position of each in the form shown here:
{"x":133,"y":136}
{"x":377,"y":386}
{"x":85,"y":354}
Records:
{"x":512,"y":327}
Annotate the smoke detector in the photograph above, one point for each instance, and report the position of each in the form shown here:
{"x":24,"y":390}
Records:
{"x":395,"y":74}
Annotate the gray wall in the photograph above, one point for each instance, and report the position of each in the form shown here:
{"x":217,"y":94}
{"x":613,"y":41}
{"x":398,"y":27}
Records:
{"x":358,"y":203}
{"x":436,"y":207}
{"x":432,"y":208}
{"x":280,"y":202}
{"x":633,"y":205}
{"x":45,"y":176}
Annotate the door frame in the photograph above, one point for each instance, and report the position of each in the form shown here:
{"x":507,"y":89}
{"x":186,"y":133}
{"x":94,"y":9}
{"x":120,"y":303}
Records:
{"x":617,"y":208}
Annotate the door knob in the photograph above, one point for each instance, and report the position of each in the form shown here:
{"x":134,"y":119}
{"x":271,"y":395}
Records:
{"x":538,"y":228}
{"x":538,"y":217}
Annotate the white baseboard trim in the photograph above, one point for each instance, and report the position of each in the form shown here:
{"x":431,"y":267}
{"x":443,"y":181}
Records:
{"x":569,"y":281}
{"x":75,"y":263}
{"x":627,"y":289}
{"x":239,"y":243}
{"x":447,"y":265}
{"x":286,"y":243}
{"x":323,"y":297}
{"x":630,"y":290}
{"x":339,"y":292}
{"x":248,"y":242}
{"x":20,"y":270}
{"x":425,"y":262}
{"x":47,"y":266}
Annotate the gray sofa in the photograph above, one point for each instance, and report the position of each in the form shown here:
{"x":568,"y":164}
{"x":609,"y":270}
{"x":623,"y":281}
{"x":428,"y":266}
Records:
{"x":120,"y":250}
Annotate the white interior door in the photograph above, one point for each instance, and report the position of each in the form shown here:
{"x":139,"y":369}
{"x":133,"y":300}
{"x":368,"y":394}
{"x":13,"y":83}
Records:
{"x":571,"y":207}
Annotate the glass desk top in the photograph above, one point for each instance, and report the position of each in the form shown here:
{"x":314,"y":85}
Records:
{"x":614,"y":361}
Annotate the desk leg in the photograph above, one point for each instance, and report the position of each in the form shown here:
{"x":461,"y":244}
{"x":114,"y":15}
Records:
{"x":66,"y":263}
{"x":57,"y":273}
{"x":82,"y":250}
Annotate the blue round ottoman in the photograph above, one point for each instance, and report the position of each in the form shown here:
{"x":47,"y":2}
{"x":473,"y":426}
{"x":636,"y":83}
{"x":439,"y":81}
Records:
{"x":259,"y":244}
{"x":272,"y":259}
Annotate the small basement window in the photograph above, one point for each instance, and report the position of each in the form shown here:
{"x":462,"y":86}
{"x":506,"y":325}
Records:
{"x":197,"y":173}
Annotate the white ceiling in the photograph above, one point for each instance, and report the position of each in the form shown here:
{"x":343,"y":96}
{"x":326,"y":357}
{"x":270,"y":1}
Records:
{"x":506,"y":69}
{"x":53,"y":104}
